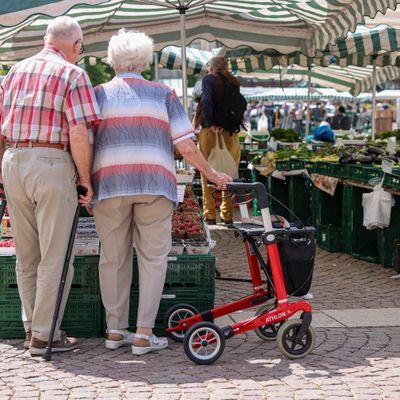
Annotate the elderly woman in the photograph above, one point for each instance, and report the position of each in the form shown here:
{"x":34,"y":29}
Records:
{"x":135,"y":186}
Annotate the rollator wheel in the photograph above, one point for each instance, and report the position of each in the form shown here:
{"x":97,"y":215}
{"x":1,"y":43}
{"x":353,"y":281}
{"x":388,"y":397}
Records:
{"x":267,"y":332}
{"x":174,"y":315}
{"x":286,"y":339}
{"x":204,"y":343}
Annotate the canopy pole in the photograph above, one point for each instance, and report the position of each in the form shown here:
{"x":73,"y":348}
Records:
{"x":373,"y":131}
{"x":182,"y":12}
{"x":156,"y":76}
{"x":308,"y":114}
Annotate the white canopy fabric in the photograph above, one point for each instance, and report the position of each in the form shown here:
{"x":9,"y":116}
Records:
{"x":284,"y":27}
{"x":275,"y":94}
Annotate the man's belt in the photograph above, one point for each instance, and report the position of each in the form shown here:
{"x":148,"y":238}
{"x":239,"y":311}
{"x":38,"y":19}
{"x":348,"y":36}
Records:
{"x":59,"y":146}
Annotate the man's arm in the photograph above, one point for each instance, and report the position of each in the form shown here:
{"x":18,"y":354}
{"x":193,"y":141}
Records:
{"x":194,"y":156}
{"x":82,"y":154}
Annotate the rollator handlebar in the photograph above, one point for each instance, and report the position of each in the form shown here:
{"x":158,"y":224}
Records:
{"x":242,"y":188}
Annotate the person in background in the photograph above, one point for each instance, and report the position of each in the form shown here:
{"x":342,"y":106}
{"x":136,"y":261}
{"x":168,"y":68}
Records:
{"x":135,"y":189}
{"x":340,"y":121}
{"x":46,"y":105}
{"x":213,"y":90}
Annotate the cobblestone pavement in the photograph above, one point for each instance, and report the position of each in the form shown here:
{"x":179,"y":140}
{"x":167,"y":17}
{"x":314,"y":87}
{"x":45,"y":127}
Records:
{"x":347,"y":363}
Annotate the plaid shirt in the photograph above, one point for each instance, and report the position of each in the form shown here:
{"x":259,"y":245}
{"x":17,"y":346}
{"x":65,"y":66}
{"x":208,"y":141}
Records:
{"x":42,"y":97}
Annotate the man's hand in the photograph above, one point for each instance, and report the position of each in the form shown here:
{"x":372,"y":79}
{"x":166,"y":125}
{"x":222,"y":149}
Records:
{"x":216,"y":129}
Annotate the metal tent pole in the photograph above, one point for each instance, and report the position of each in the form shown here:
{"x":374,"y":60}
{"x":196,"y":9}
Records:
{"x":308,"y":114}
{"x":156,"y":76}
{"x":182,"y":12}
{"x":373,"y":98}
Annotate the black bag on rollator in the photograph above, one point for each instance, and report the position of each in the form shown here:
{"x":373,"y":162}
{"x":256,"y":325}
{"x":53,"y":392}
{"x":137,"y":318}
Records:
{"x":297,"y":254}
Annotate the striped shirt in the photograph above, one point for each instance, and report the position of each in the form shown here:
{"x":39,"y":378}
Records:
{"x":43,"y":96}
{"x":141,"y":121}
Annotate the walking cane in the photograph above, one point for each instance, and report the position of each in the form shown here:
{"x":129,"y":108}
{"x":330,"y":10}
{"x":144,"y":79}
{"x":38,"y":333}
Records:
{"x":3,"y":203}
{"x":47,"y":353}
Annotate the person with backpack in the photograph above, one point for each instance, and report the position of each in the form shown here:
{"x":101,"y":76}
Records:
{"x":220,"y":113}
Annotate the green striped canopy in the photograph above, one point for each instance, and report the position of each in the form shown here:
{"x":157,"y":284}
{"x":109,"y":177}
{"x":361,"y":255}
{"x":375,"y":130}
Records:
{"x":276,"y":94}
{"x":282,"y":27}
{"x":196,"y":60}
{"x":358,"y":48}
{"x":350,"y":79}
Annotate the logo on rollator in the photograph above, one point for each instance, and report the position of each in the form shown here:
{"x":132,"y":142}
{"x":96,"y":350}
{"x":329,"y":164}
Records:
{"x":275,"y":317}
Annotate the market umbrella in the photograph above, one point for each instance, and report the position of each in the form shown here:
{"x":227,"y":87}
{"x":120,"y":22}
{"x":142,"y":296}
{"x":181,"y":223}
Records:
{"x":283,"y":27}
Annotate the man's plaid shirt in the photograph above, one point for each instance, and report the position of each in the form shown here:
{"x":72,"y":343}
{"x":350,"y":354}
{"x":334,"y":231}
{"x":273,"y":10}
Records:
{"x":42,"y":97}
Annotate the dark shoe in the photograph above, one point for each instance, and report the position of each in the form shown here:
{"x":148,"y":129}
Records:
{"x":228,"y":223}
{"x":210,"y":221}
{"x":37,"y":347}
{"x":27,"y":341}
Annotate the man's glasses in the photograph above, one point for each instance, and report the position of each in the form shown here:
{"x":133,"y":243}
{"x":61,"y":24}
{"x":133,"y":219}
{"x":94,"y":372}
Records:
{"x":82,"y":48}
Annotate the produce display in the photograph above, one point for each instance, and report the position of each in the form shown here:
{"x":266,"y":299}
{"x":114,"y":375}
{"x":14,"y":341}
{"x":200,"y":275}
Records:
{"x":285,"y":135}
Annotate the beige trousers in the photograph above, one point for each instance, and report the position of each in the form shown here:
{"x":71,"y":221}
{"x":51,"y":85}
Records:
{"x":206,"y":144}
{"x":40,"y":185}
{"x":147,"y":220}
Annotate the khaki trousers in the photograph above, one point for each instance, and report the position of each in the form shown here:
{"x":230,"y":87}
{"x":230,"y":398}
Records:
{"x":147,"y":220}
{"x":40,"y":185}
{"x":206,"y":144}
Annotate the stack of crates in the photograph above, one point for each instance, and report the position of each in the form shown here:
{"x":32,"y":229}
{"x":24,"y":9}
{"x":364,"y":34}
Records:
{"x":299,"y":194}
{"x":389,"y":237}
{"x":358,"y":241}
{"x":327,"y":218}
{"x":83,"y":315}
{"x":190,"y":279}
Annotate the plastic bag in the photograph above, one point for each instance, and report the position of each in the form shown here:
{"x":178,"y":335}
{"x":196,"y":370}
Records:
{"x":377,"y":208}
{"x":324,"y":134}
{"x":197,"y":91}
{"x":221,"y":160}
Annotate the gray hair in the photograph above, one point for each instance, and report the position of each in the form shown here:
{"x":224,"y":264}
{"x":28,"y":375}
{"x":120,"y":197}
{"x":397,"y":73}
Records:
{"x":130,"y":51}
{"x":219,"y":63}
{"x":63,"y":28}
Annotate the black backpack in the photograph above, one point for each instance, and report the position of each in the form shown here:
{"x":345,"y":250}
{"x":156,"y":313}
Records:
{"x":229,"y":111}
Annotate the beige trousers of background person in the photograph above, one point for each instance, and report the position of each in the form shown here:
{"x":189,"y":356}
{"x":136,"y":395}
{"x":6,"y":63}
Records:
{"x":40,"y":186}
{"x":147,"y":220}
{"x":206,"y":144}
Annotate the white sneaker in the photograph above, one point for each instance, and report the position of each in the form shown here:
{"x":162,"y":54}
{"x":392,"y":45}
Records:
{"x":115,"y":344}
{"x":155,"y":344}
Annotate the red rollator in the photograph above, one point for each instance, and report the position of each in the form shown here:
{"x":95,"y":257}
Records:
{"x":290,"y":258}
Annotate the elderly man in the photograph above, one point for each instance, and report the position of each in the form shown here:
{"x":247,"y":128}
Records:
{"x":213,"y":86}
{"x":46,"y":105}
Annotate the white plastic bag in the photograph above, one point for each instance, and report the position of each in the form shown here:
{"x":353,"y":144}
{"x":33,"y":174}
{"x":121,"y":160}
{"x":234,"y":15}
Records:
{"x":377,"y":208}
{"x":221,"y":160}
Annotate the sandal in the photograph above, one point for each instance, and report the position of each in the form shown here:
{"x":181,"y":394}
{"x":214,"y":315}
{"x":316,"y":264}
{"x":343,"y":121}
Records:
{"x":154,"y":344}
{"x":127,"y":338}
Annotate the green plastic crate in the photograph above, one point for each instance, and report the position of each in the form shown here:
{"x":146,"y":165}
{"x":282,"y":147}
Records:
{"x":311,"y":167}
{"x":388,"y":237}
{"x":356,"y":172}
{"x":299,"y":193}
{"x":337,"y":170}
{"x":185,"y":272}
{"x":329,"y":237}
{"x":201,"y":300}
{"x":278,"y":198}
{"x":282,"y":165}
{"x":85,"y":281}
{"x":358,"y":241}
{"x":392,"y":180}
{"x":294,"y":164}
{"x":83,"y":316}
{"x":327,"y":209}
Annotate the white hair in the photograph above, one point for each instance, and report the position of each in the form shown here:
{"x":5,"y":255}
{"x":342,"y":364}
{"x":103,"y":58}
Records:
{"x":64,"y":28}
{"x":130,"y":51}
